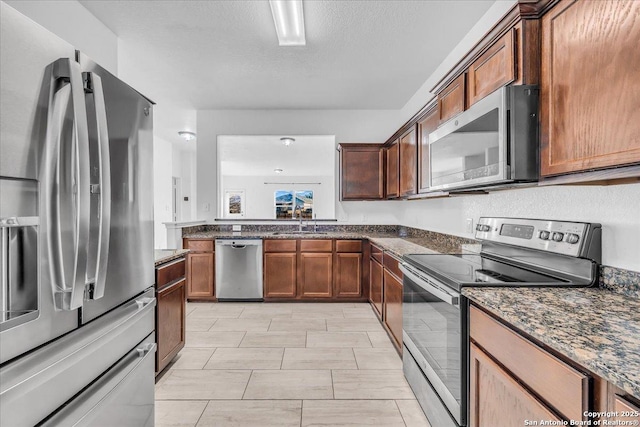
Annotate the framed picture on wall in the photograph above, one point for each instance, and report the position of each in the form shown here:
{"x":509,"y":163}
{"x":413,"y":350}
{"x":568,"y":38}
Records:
{"x":234,"y":203}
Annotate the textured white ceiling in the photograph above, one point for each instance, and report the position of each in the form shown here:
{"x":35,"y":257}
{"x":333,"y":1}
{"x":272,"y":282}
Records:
{"x":225,"y":54}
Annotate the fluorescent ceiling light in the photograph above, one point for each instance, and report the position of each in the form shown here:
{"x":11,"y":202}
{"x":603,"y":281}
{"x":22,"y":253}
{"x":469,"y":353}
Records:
{"x":289,"y":20}
{"x":188,"y":136}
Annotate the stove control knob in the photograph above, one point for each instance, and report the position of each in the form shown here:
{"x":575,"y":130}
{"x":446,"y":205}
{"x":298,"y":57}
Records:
{"x":557,"y":236}
{"x":573,"y":238}
{"x":544,"y":235}
{"x":486,"y":228}
{"x":479,"y":227}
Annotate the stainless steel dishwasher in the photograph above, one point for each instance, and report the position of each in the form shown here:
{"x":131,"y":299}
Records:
{"x":239,"y":270}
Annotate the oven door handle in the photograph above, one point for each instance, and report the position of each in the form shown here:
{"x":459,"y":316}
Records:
{"x":436,"y":291}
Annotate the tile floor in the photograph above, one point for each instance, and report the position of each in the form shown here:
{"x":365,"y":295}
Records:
{"x":285,"y":364}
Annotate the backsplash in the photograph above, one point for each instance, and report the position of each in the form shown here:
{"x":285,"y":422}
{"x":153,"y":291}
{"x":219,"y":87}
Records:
{"x":618,"y":280}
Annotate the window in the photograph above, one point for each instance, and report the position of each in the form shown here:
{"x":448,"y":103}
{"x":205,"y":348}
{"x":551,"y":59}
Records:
{"x":294,"y":204}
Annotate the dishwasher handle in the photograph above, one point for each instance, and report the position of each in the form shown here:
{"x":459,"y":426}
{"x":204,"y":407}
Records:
{"x":238,"y":246}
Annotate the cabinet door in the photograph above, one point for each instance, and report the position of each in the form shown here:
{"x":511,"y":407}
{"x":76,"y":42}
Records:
{"x":590,"y":110}
{"x":625,"y":410}
{"x":375,"y":285}
{"x":494,"y":69}
{"x":393,"y":306}
{"x":348,"y":275}
{"x":170,"y":323}
{"x":425,"y":126}
{"x":361,"y":172}
{"x":451,"y":101}
{"x":315,"y":275}
{"x":200,"y":275}
{"x":408,"y":163}
{"x":280,"y":275}
{"x":393,"y":184}
{"x":496,"y":399}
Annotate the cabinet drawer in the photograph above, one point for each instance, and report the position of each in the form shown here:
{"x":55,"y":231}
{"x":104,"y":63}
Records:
{"x":562,"y":386}
{"x":169,"y":272}
{"x":279,"y":245}
{"x":195,"y":245}
{"x":392,"y":264}
{"x":494,"y":69}
{"x":451,"y":99}
{"x":625,"y":409}
{"x":348,"y":245}
{"x":376,"y":253}
{"x":315,"y":245}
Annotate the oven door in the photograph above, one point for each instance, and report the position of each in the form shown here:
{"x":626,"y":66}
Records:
{"x":435,"y":333}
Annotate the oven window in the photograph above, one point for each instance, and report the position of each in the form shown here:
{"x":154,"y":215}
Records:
{"x":471,"y":152}
{"x":435,"y":328}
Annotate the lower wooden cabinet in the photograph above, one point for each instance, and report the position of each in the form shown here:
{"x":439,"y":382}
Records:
{"x":200,"y":269}
{"x":200,"y":275}
{"x":170,"y":322}
{"x":313,"y":269}
{"x":347,"y":275}
{"x":376,"y":278}
{"x":564,"y":387}
{"x":280,"y":275}
{"x":393,"y":306}
{"x":496,"y":399}
{"x":315,"y":275}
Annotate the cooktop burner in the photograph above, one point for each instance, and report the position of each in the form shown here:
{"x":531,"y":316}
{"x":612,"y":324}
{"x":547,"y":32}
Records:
{"x":518,"y":252}
{"x":476,"y":270}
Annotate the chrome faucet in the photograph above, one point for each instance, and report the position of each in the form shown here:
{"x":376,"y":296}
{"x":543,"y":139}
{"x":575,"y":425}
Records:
{"x":300,"y":223}
{"x":315,"y":223}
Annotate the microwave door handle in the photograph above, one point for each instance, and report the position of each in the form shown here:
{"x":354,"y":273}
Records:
{"x":66,"y":179}
{"x":103,"y":189}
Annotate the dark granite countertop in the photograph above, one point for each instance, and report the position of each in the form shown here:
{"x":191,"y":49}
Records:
{"x":163,"y":256}
{"x":595,"y":327}
{"x":398,"y":246}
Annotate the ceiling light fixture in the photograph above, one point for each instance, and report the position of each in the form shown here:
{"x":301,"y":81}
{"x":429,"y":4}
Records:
{"x":289,"y":20}
{"x":278,"y":170}
{"x":188,"y":136}
{"x":287,"y":140}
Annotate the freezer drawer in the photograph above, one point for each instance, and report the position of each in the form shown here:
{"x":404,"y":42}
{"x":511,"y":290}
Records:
{"x":123,"y":396}
{"x":34,"y":386}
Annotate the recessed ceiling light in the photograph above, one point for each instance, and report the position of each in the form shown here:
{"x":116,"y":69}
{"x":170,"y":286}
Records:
{"x":188,"y":136}
{"x":287,"y":140}
{"x":289,"y":20}
{"x":278,"y":170}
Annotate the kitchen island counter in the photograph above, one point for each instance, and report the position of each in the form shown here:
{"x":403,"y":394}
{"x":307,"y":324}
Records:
{"x":163,"y":256}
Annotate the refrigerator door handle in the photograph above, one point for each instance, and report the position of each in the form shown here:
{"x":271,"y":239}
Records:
{"x":66,"y":167}
{"x":98,"y":259}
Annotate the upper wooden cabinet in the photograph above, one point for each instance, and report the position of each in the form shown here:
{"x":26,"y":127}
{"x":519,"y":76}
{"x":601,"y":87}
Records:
{"x":493,"y":69}
{"x":408,"y":162}
{"x":361,"y":171}
{"x":451,"y":101}
{"x":393,"y":170}
{"x":426,"y":125}
{"x":590,"y":86}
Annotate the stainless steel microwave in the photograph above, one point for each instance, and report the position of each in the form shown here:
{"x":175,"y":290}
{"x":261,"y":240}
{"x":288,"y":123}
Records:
{"x":494,"y":142}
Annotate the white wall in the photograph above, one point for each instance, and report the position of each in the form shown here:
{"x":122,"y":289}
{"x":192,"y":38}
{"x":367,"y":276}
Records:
{"x":259,"y":197}
{"x":616,"y":207}
{"x":345,"y":125}
{"x":75,"y":24}
{"x":162,"y":189}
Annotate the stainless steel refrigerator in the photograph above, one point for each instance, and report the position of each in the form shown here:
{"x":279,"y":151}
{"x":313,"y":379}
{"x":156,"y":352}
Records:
{"x":77,"y":340}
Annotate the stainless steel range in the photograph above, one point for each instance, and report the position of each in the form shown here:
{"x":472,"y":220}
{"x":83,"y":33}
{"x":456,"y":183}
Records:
{"x":515,"y":252}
